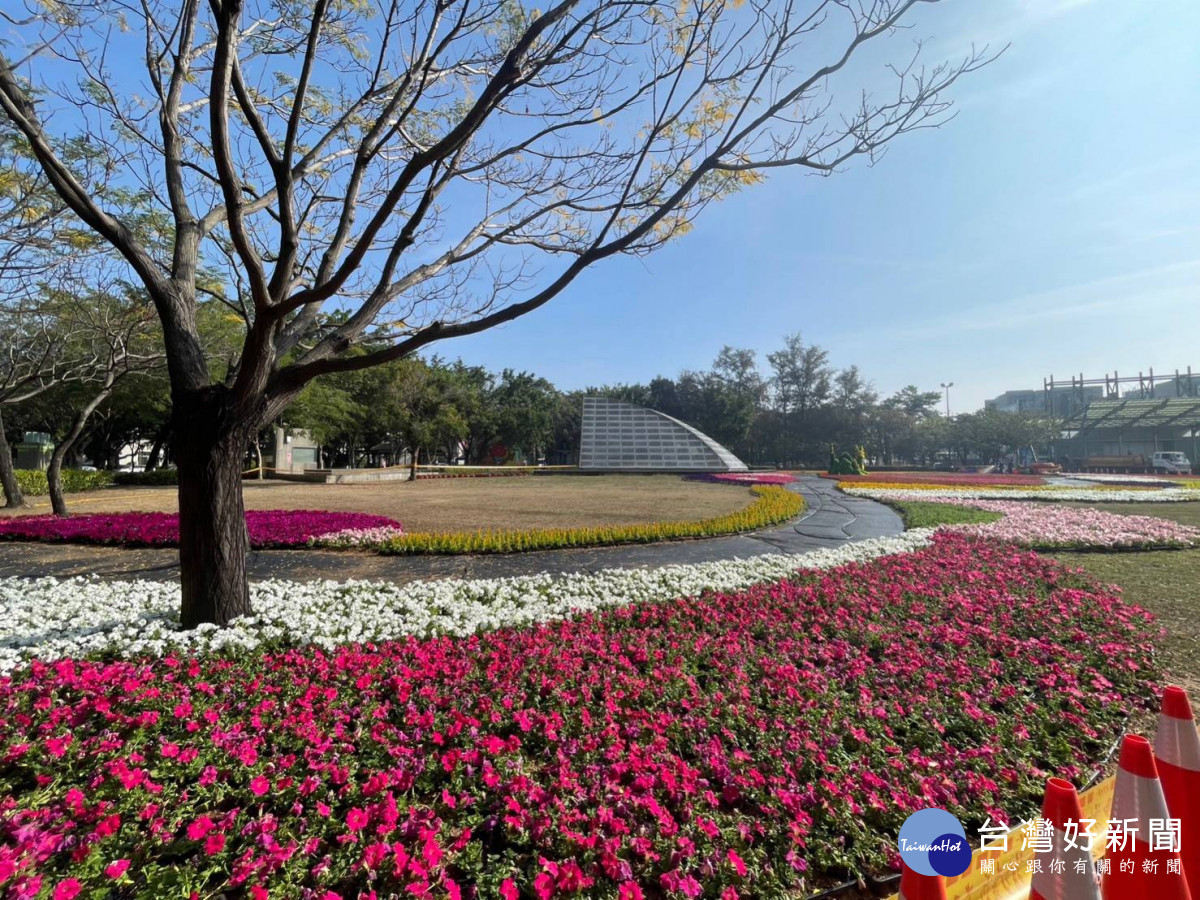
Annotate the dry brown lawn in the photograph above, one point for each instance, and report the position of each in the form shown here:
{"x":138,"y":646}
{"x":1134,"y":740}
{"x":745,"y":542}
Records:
{"x":464,"y":504}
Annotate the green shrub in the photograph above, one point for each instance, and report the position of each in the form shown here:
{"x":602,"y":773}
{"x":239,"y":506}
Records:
{"x":34,"y":484}
{"x":927,"y":514}
{"x":153,"y":478}
{"x":771,"y":506}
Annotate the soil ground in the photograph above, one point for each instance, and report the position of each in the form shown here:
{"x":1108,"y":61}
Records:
{"x":463,"y":504}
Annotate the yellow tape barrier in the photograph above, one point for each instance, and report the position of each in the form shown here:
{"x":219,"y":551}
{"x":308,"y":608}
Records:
{"x":1011,"y":881}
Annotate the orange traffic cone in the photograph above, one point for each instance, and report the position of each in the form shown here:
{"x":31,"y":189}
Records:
{"x":1067,"y":872}
{"x":915,"y":886}
{"x":1136,"y":872}
{"x":1177,"y":751}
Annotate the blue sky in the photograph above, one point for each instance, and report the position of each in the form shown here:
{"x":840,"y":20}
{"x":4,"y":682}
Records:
{"x":1052,"y":227}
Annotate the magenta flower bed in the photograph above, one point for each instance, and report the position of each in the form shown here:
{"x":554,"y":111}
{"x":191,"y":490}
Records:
{"x":746,"y":477}
{"x":949,"y":479}
{"x":1051,"y":526}
{"x":268,"y":528}
{"x":757,"y":744}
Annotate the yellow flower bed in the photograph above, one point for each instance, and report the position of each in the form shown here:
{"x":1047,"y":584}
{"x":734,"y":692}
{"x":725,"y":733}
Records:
{"x":771,"y":506}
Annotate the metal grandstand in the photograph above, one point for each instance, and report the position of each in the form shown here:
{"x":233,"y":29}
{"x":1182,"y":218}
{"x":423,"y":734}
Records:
{"x":1123,"y":415}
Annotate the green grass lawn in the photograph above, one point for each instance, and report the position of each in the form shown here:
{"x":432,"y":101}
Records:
{"x":925,"y":514}
{"x":1166,"y":582}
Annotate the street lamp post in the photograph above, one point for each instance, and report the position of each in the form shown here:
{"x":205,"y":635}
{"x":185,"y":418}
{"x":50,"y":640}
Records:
{"x":946,"y":387}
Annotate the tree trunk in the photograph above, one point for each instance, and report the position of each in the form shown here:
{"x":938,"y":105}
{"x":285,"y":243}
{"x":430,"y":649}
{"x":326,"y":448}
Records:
{"x":213,"y":541}
{"x":54,"y":474}
{"x":160,"y":438}
{"x":58,"y":503}
{"x":8,"y":475}
{"x":412,"y":471}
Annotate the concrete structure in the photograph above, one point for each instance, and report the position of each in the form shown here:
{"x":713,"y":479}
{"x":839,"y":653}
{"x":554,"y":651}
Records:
{"x":1064,"y":401}
{"x":35,"y":451}
{"x":292,"y":450}
{"x":620,"y":437}
{"x":343,"y":476}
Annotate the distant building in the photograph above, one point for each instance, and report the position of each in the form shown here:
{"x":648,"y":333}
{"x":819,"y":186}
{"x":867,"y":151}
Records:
{"x":1133,"y":427}
{"x":132,"y":457}
{"x":1064,"y":401}
{"x":620,"y":437}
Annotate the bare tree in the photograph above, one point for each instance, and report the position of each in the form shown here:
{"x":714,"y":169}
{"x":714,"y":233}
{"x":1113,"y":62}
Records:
{"x":115,"y":330}
{"x":41,"y":350}
{"x":371,"y":178}
{"x":39,"y":240}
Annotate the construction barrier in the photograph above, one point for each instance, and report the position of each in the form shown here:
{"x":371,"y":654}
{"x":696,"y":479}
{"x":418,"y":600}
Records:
{"x":1140,"y":870}
{"x":915,"y":886}
{"x":1177,"y":751}
{"x":1003,"y":871}
{"x":1068,"y":873}
{"x":1011,"y":878}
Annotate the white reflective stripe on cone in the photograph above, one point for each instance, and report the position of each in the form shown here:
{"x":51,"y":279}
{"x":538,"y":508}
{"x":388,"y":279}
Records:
{"x":1140,"y":799}
{"x":1068,"y":884}
{"x":1178,"y":743}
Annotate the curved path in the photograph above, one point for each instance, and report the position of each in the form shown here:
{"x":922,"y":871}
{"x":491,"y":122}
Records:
{"x":831,"y":518}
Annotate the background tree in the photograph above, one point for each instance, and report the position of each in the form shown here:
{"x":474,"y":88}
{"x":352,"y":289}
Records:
{"x":115,"y":330}
{"x":525,"y":408}
{"x":800,"y":383}
{"x":853,"y":399}
{"x":405,"y":165}
{"x":914,"y":402}
{"x":420,"y":406}
{"x":736,"y":392}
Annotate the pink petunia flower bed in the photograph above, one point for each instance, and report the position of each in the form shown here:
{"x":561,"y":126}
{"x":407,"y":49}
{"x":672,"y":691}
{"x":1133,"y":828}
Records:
{"x":754,"y":744}
{"x":268,"y":528}
{"x":1052,"y":526}
{"x":746,"y":477}
{"x":948,"y":479}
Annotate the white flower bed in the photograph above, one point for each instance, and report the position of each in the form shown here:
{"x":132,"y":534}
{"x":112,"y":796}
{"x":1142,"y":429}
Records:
{"x":1105,"y":478}
{"x":49,"y":619}
{"x":1087,"y":495}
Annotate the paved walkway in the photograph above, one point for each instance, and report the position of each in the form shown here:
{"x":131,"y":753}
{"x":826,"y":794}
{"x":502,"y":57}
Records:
{"x":832,"y":518}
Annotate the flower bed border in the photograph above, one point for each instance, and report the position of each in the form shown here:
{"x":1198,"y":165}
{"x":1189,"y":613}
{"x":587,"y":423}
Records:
{"x":772,"y":506}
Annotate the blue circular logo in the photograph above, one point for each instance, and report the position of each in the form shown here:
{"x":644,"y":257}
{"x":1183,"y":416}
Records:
{"x":933,"y":842}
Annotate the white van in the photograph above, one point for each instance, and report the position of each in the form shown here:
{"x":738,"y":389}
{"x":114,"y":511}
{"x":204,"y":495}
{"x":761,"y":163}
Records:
{"x":1171,"y":462}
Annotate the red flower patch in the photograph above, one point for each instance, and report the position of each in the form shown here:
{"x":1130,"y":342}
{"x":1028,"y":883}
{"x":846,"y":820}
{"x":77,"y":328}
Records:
{"x":749,"y":744}
{"x":268,"y":528}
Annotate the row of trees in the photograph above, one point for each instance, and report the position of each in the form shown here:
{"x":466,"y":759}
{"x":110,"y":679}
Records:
{"x":789,"y":414}
{"x":785,"y":415}
{"x":435,"y":411}
{"x":431,"y":410}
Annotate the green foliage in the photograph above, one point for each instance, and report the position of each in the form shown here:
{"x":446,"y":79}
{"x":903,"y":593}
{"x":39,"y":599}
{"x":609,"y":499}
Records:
{"x":34,"y":484}
{"x":153,"y":478}
{"x":525,"y":407}
{"x":847,"y":462}
{"x":771,"y":506}
{"x":924,"y":514}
